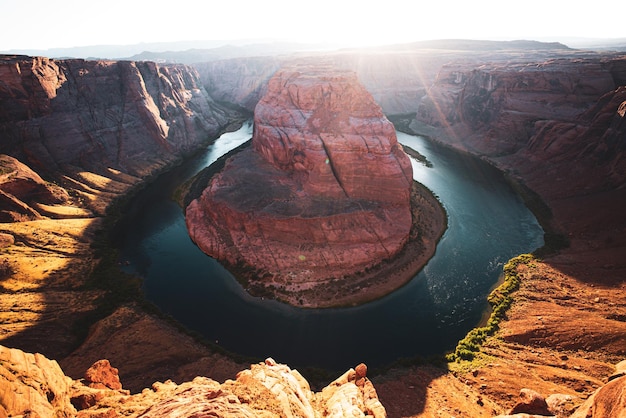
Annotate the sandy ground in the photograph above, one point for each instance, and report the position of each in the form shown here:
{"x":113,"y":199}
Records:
{"x":43,"y":297}
{"x":562,"y":336}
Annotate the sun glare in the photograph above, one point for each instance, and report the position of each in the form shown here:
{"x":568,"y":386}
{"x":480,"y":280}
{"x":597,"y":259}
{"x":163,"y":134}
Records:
{"x":347,"y":22}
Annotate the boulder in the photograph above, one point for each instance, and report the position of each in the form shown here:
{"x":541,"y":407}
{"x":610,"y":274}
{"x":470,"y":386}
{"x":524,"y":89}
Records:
{"x":607,"y":402}
{"x":530,"y":402}
{"x":102,"y":375}
{"x":32,"y":385}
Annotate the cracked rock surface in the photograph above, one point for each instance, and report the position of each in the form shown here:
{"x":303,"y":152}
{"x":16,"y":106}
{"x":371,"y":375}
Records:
{"x":323,"y":193}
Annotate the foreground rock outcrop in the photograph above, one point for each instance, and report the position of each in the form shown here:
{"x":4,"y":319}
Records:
{"x":324,"y":192}
{"x":32,"y":385}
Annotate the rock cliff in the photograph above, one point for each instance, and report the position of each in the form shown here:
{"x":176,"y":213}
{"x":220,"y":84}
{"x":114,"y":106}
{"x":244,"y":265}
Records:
{"x":65,"y":118}
{"x":557,"y":126}
{"x":492,"y":108}
{"x":75,"y":135}
{"x":323,"y":193}
{"x":102,"y":114}
{"x":32,"y":385}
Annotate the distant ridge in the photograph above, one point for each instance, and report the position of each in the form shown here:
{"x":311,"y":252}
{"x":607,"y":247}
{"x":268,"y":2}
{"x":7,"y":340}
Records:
{"x":196,"y":55}
{"x":484,"y":45}
{"x":192,"y":52}
{"x":128,"y":52}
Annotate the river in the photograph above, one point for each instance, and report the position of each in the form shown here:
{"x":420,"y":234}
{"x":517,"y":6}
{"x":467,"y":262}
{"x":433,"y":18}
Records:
{"x":487,"y":224}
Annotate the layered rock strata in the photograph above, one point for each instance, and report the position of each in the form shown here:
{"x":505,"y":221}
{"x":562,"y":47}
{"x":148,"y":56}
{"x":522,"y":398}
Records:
{"x":74,"y":136}
{"x":323,"y":193}
{"x":96,"y":115}
{"x":32,"y":385}
{"x":556,"y":125}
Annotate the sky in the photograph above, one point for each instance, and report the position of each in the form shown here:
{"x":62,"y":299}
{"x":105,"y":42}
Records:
{"x":45,"y":24}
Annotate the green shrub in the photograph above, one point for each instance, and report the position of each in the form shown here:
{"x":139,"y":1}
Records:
{"x":500,"y":300}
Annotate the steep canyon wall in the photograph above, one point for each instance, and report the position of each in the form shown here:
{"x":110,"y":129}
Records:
{"x":64,"y":117}
{"x":553,"y":121}
{"x":539,"y":115}
{"x":557,"y":126}
{"x":74,"y":136}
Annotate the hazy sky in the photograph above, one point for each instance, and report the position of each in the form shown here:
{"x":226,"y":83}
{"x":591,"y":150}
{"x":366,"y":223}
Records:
{"x":43,"y":24}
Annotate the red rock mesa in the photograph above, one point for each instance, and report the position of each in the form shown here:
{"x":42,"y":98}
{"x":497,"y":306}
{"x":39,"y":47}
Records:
{"x":323,"y":193}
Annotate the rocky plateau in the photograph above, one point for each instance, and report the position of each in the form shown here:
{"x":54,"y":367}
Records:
{"x":77,"y":134}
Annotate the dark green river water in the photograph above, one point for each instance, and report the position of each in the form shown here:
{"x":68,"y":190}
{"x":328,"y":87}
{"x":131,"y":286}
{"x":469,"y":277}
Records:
{"x":487,"y":224}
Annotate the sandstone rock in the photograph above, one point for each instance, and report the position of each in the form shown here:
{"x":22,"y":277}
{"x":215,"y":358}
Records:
{"x":20,"y":181}
{"x":351,"y":395}
{"x":6,"y":240}
{"x":21,"y":188}
{"x":499,"y":101}
{"x":323,"y":193}
{"x":361,"y":371}
{"x":341,"y":398}
{"x":201,"y":402}
{"x":86,"y":399}
{"x":102,"y":375}
{"x":560,"y":405}
{"x":607,"y":402}
{"x":66,"y":116}
{"x":620,"y":370}
{"x":32,"y":385}
{"x":102,"y":413}
{"x":325,"y":128}
{"x":530,"y":402}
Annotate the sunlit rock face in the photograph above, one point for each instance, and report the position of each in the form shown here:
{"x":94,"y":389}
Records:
{"x":59,"y":116}
{"x":322,"y":193}
{"x":31,"y":385}
{"x":325,"y":130}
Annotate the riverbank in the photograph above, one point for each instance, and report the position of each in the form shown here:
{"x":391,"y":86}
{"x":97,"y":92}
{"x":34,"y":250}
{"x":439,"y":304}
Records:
{"x":429,"y":222}
{"x":563,"y":331}
{"x":61,"y":281}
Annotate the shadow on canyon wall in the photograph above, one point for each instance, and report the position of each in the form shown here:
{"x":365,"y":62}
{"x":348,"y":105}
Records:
{"x":564,"y":139}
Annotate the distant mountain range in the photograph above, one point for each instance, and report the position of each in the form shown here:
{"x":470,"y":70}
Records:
{"x":188,"y":52}
{"x":183,"y":51}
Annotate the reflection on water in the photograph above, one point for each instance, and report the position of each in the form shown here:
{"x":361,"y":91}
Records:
{"x":488,"y":224}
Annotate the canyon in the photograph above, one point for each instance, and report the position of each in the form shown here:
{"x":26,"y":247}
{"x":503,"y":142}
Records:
{"x":318,"y":209}
{"x":81,"y":133}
